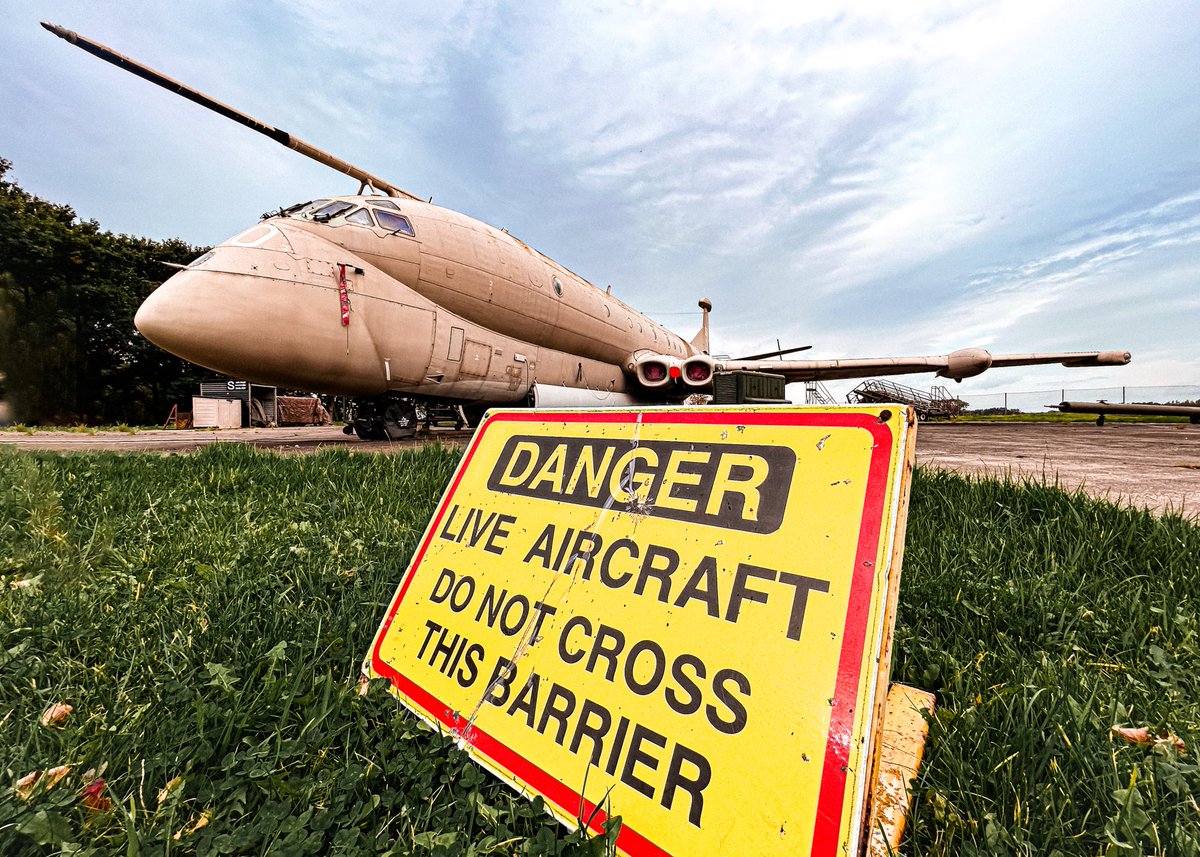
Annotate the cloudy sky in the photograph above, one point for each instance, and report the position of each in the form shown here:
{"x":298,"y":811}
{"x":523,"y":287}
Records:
{"x":869,"y":178}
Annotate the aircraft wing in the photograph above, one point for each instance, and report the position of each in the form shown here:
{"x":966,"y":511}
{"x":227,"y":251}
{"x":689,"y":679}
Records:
{"x":965,"y":363}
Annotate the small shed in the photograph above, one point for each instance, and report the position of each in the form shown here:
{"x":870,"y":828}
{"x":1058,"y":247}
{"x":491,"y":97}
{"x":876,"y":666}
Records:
{"x":208,"y":412}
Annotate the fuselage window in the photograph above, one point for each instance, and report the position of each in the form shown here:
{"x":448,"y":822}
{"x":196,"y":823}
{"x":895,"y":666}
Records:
{"x":396,"y":223}
{"x":332,"y":210}
{"x":558,"y":287}
{"x":362,"y":216}
{"x":385,"y":203}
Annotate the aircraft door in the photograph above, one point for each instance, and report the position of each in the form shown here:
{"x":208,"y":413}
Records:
{"x":476,"y":360}
{"x":403,"y":336}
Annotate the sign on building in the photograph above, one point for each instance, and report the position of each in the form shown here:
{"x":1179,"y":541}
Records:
{"x":679,"y":616}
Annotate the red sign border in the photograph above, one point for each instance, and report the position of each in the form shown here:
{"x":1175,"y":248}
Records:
{"x":830,"y":800}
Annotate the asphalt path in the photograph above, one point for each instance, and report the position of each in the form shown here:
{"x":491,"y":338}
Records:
{"x":1153,"y":466}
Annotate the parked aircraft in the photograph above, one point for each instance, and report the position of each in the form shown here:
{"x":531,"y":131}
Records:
{"x":387,"y":298}
{"x":1103,"y":409}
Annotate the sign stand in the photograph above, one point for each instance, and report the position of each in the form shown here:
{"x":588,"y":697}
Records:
{"x":901,"y":741}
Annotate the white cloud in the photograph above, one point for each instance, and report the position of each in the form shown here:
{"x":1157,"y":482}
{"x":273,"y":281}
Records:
{"x":866,"y":177}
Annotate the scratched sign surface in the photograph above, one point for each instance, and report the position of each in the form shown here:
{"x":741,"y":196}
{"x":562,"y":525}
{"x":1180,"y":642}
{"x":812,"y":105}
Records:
{"x":676,"y":616}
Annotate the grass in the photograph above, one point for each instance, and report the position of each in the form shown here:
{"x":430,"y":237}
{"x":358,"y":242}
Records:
{"x":205,"y":616}
{"x":78,"y":428}
{"x":1041,"y":620}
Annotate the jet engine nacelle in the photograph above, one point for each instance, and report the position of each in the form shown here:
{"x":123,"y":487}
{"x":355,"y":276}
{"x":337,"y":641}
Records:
{"x":698,"y":371}
{"x":966,"y":363}
{"x":655,"y":371}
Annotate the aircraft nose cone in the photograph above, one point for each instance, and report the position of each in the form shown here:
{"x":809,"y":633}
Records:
{"x":230,"y":323}
{"x":154,"y":319}
{"x":175,"y":318}
{"x":259,"y":328}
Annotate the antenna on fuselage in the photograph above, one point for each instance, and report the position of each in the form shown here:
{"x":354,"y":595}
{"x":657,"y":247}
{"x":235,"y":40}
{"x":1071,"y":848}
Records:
{"x":700,"y":340}
{"x":279,"y":136}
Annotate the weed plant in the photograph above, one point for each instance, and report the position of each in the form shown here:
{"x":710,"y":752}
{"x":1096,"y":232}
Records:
{"x":205,"y":615}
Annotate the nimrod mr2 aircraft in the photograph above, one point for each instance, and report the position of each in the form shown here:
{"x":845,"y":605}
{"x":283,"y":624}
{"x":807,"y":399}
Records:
{"x":389,"y":299}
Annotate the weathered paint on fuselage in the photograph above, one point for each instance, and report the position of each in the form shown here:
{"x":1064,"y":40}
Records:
{"x":460,"y":311}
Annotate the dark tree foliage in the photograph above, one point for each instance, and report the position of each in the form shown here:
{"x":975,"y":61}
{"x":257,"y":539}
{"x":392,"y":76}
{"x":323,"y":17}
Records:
{"x":69,"y":352}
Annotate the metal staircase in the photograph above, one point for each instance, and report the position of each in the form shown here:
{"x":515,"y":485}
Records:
{"x":936,"y":404}
{"x":816,"y":393}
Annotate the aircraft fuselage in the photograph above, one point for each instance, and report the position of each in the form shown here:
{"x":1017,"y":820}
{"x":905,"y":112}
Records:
{"x":443,"y":307}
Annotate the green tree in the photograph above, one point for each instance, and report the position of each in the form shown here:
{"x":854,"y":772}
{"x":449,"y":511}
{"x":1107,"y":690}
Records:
{"x":68,"y":291}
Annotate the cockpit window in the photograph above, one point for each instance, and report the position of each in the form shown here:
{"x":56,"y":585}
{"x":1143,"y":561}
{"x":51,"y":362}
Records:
{"x":200,"y":260}
{"x":327,"y":212}
{"x":292,"y":209}
{"x":302,"y":208}
{"x":362,"y":217}
{"x":397,"y":223}
{"x":384,"y":203}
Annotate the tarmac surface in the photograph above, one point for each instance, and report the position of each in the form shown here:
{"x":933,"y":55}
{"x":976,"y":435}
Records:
{"x":1153,"y":466}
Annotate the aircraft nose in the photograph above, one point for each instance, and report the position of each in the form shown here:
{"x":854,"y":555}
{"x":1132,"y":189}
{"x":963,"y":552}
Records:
{"x":199,"y":317}
{"x":264,"y":307}
{"x":156,"y":318}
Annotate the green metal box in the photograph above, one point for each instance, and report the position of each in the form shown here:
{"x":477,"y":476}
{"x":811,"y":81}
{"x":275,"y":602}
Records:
{"x":748,"y":388}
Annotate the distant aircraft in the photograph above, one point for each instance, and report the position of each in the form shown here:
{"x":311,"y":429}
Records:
{"x":1103,"y":409}
{"x":386,"y":298}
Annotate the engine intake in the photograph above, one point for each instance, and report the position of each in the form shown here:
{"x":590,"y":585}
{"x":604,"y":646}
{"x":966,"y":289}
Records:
{"x":657,"y":370}
{"x":698,"y":371}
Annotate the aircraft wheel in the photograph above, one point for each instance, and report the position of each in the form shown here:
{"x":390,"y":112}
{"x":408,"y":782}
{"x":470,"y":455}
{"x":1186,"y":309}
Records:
{"x":366,"y":431}
{"x":399,"y":420}
{"x":473,"y":414}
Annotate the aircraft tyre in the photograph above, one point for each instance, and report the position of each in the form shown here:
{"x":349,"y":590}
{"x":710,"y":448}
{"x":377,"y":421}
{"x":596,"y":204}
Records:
{"x":474,"y":414}
{"x":384,"y":419}
{"x":364,"y":431}
{"x":399,"y":420}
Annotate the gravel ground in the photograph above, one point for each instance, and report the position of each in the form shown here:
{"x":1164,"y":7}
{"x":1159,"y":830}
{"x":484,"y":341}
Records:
{"x":1155,"y":466}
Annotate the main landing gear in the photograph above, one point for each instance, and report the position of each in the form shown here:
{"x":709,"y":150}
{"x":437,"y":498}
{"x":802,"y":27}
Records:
{"x":383,"y":418}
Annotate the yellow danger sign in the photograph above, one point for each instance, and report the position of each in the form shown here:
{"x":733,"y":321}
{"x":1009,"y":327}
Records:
{"x":679,"y":616}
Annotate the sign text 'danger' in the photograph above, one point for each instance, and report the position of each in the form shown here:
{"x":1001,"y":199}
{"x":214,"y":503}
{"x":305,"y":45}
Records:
{"x":729,"y":485}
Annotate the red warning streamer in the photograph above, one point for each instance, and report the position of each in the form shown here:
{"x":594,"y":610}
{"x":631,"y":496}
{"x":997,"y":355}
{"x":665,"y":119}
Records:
{"x":343,"y":295}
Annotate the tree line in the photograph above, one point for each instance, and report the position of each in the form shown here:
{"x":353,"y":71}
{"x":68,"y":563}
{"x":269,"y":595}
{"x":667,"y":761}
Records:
{"x":69,"y":352}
